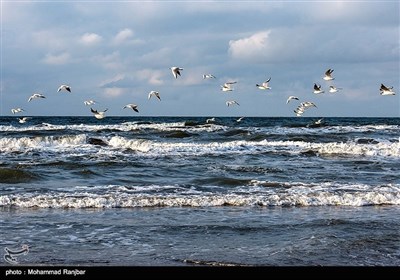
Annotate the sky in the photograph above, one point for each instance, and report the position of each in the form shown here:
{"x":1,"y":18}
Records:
{"x":116,"y":52}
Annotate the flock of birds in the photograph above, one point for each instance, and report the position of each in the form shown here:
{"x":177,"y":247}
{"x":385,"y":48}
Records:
{"x":226,"y":87}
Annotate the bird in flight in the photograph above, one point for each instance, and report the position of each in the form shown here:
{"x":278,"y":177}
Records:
{"x":89,"y":102}
{"x":98,"y":114}
{"x":64,"y":87}
{"x":386,"y":90}
{"x":176,"y":71}
{"x":208,"y":76}
{"x":227,"y":86}
{"x":333,"y":89}
{"x":264,"y":85}
{"x":36,"y":95}
{"x":23,"y":120}
{"x":16,"y":110}
{"x":318,"y":89}
{"x":154,"y":93}
{"x":328,"y":75}
{"x":231,"y":102}
{"x":132,"y":106}
{"x":292,"y":97}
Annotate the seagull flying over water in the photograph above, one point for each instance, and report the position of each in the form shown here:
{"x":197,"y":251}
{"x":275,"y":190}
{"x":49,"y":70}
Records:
{"x":210,"y":120}
{"x":264,"y":85}
{"x":291,"y":98}
{"x":23,"y":120}
{"x":131,"y":106}
{"x":154,"y":93}
{"x":386,"y":90}
{"x":328,"y":75}
{"x":240,"y":119}
{"x":16,"y":110}
{"x":36,"y":95}
{"x":176,"y":71}
{"x":98,"y":114}
{"x":64,"y":87}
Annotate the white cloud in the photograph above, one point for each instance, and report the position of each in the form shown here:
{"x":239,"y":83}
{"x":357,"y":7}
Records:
{"x":90,"y":39}
{"x":114,"y":92}
{"x":110,"y":61}
{"x":59,"y":59}
{"x":123,"y":36}
{"x":250,"y":47}
{"x":112,"y":81}
{"x":153,"y":77}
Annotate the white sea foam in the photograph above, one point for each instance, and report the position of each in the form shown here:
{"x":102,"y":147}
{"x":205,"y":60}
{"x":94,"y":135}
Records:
{"x":116,"y":144}
{"x":327,"y":194}
{"x":127,"y":126}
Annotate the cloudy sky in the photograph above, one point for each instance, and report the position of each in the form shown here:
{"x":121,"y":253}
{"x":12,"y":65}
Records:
{"x":116,"y":52}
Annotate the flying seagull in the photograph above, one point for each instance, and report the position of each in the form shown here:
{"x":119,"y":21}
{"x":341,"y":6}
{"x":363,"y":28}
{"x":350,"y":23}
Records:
{"x":291,"y":98}
{"x":333,"y":89}
{"x":210,"y":120}
{"x":89,"y":102}
{"x":176,"y":71}
{"x":231,"y":102}
{"x":131,"y":106}
{"x":154,"y":93}
{"x":97,"y":114}
{"x":240,"y":119}
{"x":227,"y":86}
{"x":64,"y":87}
{"x":36,"y":95}
{"x":16,"y":110}
{"x":208,"y":76}
{"x":318,"y":89}
{"x":264,"y":85}
{"x":386,"y":90}
{"x":328,"y":75}
{"x":23,"y":120}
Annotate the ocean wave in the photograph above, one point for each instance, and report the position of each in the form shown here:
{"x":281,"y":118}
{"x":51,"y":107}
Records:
{"x":82,"y":142}
{"x":299,"y":196}
{"x":16,"y":175}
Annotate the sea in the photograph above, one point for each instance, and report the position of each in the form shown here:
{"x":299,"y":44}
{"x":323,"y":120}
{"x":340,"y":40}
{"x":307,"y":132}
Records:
{"x":196,"y":191}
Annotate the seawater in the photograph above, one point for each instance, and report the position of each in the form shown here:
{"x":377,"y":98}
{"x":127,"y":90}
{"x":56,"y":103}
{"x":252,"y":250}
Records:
{"x":178,"y":191}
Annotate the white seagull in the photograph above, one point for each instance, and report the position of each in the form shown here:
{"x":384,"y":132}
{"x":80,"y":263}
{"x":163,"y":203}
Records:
{"x":97,"y":114}
{"x":36,"y":95}
{"x":131,"y":106}
{"x":210,"y":120}
{"x":386,"y":90}
{"x":64,"y":87}
{"x":208,"y":76}
{"x":23,"y":120}
{"x":333,"y":89}
{"x":328,"y":75}
{"x":231,"y":102}
{"x":319,"y":121}
{"x":227,"y":86}
{"x":154,"y":93}
{"x":240,"y":119}
{"x":291,"y":98}
{"x":16,"y":110}
{"x":264,"y":85}
{"x":89,"y":102}
{"x":318,"y":89}
{"x":176,"y":71}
